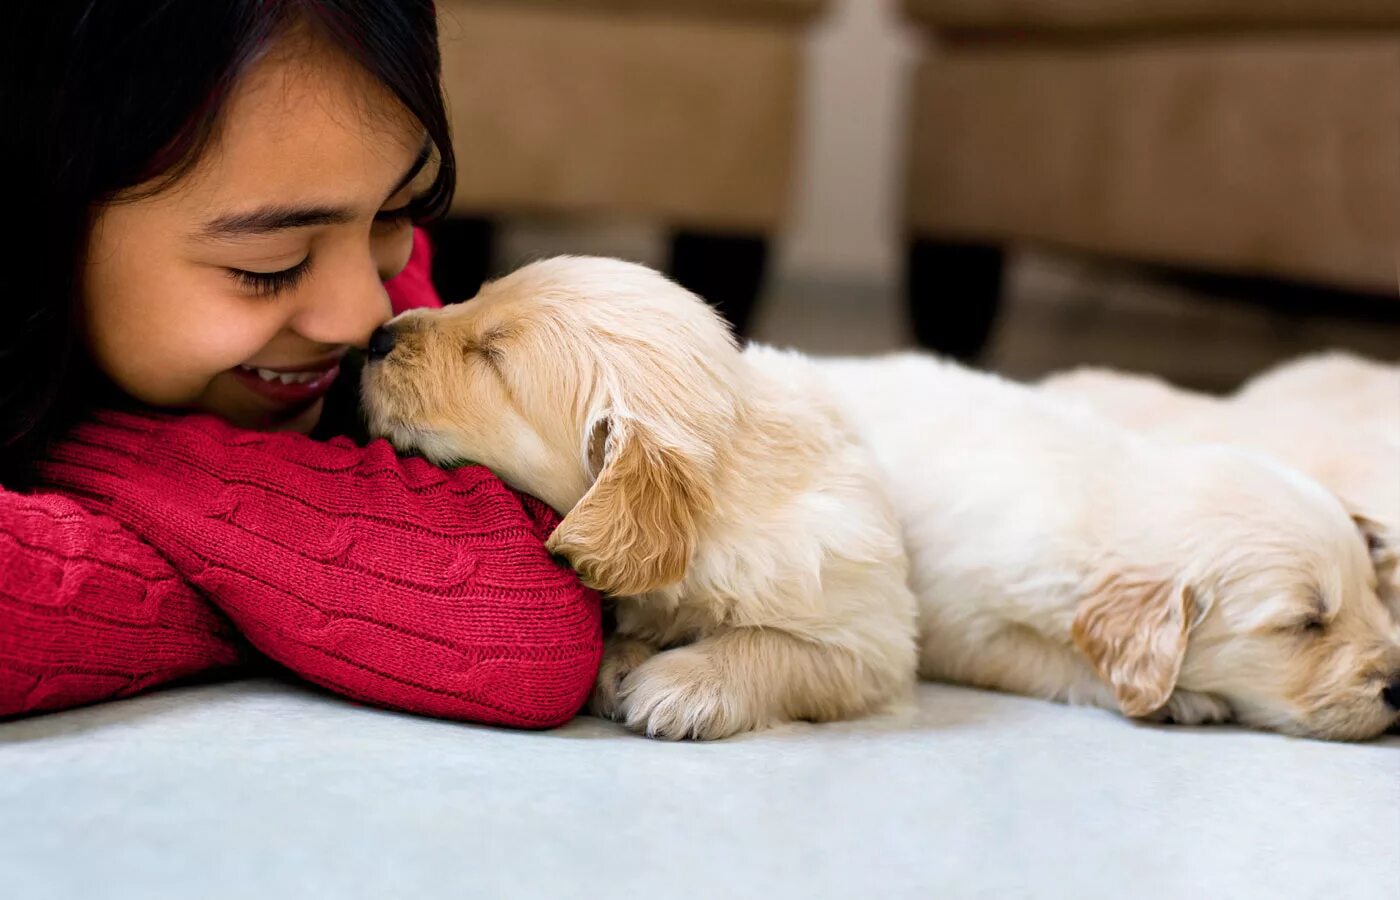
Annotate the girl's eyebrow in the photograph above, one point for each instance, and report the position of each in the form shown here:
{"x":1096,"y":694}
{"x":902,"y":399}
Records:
{"x":271,"y":219}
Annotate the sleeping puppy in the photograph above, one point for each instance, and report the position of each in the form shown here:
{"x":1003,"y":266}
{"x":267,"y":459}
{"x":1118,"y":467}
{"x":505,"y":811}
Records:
{"x":1059,"y":555}
{"x":1304,"y":406}
{"x":1359,"y":394}
{"x":1363,"y":393}
{"x":1328,"y":416}
{"x":743,"y":531}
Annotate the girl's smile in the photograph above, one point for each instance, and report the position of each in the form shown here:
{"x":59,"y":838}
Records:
{"x":290,"y":387}
{"x":238,"y":290}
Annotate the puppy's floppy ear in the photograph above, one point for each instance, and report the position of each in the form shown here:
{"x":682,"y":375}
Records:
{"x":1133,"y":630}
{"x":1383,"y":547}
{"x":635,"y":529}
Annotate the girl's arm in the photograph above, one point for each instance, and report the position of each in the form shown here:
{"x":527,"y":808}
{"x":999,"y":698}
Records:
{"x":88,"y":612}
{"x":382,"y":578}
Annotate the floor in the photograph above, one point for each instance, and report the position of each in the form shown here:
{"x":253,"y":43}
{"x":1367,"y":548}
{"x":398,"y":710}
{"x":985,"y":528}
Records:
{"x":266,"y":789}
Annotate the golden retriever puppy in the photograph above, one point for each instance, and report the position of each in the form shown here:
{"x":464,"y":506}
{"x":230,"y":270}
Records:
{"x":718,"y":496}
{"x":1140,"y":402}
{"x":1057,"y":554}
{"x":1343,"y":444}
{"x":1362,"y":392}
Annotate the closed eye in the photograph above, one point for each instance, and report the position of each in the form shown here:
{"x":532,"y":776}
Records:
{"x":487,"y":348}
{"x":1316,"y":622}
{"x":1310,"y":627}
{"x":270,"y":284}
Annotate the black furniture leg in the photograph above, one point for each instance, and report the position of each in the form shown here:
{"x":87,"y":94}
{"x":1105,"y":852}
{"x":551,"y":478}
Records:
{"x":462,"y":252}
{"x":954,"y":295}
{"x":726,"y":269}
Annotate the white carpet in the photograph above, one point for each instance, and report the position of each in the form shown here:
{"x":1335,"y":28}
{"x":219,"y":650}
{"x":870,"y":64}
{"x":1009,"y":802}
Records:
{"x":263,"y":789}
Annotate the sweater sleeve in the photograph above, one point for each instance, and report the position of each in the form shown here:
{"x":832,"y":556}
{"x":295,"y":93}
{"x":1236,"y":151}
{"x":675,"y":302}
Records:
{"x":382,"y":578}
{"x":89,"y":612}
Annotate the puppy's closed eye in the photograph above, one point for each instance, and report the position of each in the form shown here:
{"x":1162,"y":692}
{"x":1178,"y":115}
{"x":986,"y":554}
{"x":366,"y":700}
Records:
{"x":1310,"y":625}
{"x":487,"y":348}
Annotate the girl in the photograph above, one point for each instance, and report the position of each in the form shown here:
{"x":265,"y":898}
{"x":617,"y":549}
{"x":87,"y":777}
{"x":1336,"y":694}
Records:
{"x":215,"y":202}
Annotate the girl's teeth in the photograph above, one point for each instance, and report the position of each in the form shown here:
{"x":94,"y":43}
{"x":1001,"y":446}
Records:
{"x":288,"y":377}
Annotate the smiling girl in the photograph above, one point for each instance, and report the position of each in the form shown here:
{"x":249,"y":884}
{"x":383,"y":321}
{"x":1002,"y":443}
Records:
{"x":220,"y":199}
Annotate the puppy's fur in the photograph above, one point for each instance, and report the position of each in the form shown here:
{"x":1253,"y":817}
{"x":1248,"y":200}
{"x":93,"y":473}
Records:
{"x":756,"y":563}
{"x":1363,"y":393}
{"x":1334,"y":417}
{"x":1059,"y":555}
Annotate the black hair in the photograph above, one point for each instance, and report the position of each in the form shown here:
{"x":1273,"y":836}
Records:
{"x":100,"y":97}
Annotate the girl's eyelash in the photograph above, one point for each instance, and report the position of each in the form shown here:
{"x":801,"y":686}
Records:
{"x":270,"y":284}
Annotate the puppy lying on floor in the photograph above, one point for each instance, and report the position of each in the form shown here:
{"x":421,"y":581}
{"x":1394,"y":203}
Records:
{"x":1334,"y":417}
{"x":759,"y":572}
{"x":1364,"y":393}
{"x":756,"y":563}
{"x":1059,"y":555}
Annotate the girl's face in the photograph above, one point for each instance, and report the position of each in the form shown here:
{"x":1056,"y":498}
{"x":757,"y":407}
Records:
{"x":238,"y":290}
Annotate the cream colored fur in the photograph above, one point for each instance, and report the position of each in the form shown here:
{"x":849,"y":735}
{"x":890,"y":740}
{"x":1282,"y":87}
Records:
{"x":1362,"y":392}
{"x":743,"y":531}
{"x":1059,"y":555}
{"x":756,"y":550}
{"x":1332,"y":416}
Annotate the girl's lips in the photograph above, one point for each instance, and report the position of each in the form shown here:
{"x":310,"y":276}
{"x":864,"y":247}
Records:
{"x":289,"y":387}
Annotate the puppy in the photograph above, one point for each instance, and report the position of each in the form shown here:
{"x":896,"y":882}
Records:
{"x":1139,"y":402}
{"x":1327,"y":416}
{"x":1059,"y":555}
{"x":1362,"y":395}
{"x":1361,"y":392}
{"x":743,"y":531}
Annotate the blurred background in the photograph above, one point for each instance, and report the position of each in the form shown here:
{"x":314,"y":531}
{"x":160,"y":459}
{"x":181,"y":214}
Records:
{"x":1192,"y":188}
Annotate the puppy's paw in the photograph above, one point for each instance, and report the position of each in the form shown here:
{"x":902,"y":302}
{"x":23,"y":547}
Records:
{"x":1192,"y":708}
{"x":621,"y":655}
{"x":679,"y":694}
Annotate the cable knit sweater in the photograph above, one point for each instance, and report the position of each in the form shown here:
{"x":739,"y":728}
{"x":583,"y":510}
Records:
{"x":161,"y":547}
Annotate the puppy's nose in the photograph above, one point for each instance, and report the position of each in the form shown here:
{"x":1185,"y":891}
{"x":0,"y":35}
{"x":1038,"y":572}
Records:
{"x":1391,"y":694}
{"x":381,"y":343}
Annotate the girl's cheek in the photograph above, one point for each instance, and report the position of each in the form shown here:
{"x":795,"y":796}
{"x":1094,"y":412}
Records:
{"x":392,"y":250}
{"x":166,"y":354}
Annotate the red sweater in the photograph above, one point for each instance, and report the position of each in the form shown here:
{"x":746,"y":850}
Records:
{"x":161,"y":547}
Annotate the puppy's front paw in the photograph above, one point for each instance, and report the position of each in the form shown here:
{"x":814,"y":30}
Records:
{"x":679,"y":694}
{"x":621,"y":655}
{"x":1192,"y":708}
